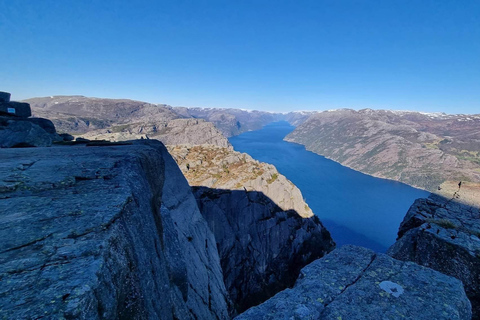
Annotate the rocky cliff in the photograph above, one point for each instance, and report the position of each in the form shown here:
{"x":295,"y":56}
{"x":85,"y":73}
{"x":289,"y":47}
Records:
{"x":121,"y":119}
{"x":224,"y":168}
{"x":443,"y":234}
{"x":108,"y":232}
{"x":423,"y":150}
{"x":357,"y":283}
{"x":264,"y":230}
{"x":177,"y":131}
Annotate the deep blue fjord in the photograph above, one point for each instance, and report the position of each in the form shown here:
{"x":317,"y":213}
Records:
{"x":356,"y":208}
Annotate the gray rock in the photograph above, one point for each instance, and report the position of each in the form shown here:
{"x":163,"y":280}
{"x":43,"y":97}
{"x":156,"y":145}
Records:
{"x":356,"y":283}
{"x":103,"y":233}
{"x":442,"y":234}
{"x":45,"y":124}
{"x":4,"y":96}
{"x":66,"y":137}
{"x":23,"y":133}
{"x":262,"y":247}
{"x":17,"y":109}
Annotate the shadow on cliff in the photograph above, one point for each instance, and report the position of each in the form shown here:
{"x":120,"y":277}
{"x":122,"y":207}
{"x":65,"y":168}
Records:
{"x":261,"y":247}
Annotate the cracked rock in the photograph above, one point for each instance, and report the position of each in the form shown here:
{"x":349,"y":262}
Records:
{"x":110,"y":246}
{"x":443,"y":234}
{"x":356,"y":283}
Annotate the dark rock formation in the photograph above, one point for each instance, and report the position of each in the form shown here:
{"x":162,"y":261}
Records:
{"x":103,"y":233}
{"x":262,"y":247}
{"x":4,"y":96}
{"x":443,"y":234}
{"x":17,"y":130}
{"x":356,"y":283}
{"x":265,"y":231}
{"x":15,"y":109}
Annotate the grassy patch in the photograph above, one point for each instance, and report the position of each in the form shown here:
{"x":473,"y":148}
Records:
{"x":272,"y":178}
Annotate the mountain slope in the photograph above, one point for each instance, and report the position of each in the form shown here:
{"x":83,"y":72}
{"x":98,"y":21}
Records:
{"x":423,"y":150}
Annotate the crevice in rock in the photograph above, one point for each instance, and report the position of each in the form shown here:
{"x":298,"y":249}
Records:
{"x":360,"y":275}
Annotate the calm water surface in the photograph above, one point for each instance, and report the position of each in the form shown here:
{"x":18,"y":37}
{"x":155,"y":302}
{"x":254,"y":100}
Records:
{"x":356,"y":208}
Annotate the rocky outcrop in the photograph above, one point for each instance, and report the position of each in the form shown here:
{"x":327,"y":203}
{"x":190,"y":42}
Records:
{"x":264,"y":230}
{"x":357,"y":283}
{"x":422,"y":150}
{"x":224,"y":168}
{"x":177,"y":131}
{"x":443,"y":234}
{"x":78,"y":115}
{"x":108,"y":232}
{"x":18,"y":130}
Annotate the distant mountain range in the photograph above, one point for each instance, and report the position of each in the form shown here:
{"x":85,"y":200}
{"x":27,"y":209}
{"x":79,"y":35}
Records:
{"x":79,"y":115}
{"x":424,"y":150}
{"x":421,"y":149}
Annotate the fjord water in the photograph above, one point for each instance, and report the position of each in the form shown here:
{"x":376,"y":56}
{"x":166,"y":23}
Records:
{"x":356,"y":208}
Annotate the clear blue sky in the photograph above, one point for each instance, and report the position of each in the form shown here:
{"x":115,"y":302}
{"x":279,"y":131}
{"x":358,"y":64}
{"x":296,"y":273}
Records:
{"x":267,"y":55}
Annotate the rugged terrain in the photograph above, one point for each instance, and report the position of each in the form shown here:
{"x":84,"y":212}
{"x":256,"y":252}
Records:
{"x":231,"y":122}
{"x":109,"y":232}
{"x":422,"y":150}
{"x":265,"y":232}
{"x":356,"y":283}
{"x":443,"y":234}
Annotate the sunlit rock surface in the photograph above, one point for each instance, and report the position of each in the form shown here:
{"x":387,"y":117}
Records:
{"x":103,"y":233}
{"x":443,"y":234}
{"x":357,"y":283}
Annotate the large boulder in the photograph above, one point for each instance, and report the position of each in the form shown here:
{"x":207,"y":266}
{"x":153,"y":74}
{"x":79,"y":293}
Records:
{"x":16,"y":109}
{"x":23,"y":133}
{"x":4,"y":96}
{"x":104,"y":233}
{"x":443,"y":234}
{"x":357,"y":283}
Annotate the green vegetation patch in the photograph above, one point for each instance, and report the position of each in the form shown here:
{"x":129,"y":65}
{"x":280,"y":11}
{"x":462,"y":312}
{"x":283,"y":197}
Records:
{"x":272,"y":178}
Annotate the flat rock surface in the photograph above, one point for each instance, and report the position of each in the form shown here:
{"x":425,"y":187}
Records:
{"x":356,"y":283}
{"x":103,"y":233}
{"x":443,"y":234}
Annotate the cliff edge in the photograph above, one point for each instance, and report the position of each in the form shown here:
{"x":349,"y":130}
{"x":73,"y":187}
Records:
{"x":109,"y":232}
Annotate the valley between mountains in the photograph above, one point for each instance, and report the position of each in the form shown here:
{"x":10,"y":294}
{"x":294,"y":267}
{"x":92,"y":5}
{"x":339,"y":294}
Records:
{"x":431,"y":151}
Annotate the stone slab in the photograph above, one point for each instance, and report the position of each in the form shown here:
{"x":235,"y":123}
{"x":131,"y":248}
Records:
{"x":356,"y":283}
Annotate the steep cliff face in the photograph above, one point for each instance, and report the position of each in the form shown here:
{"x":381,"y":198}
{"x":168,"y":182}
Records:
{"x":357,"y":283}
{"x":263,"y":241}
{"x":422,"y":150}
{"x":104,"y":233}
{"x":443,"y":234}
{"x":79,"y":114}
{"x":177,"y":131}
{"x":224,"y":168}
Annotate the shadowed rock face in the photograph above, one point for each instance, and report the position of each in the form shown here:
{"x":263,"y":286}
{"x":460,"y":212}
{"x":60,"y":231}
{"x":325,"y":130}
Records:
{"x":262,"y":247}
{"x":265,"y":232}
{"x":443,"y":234}
{"x":357,"y":283}
{"x":104,"y":233}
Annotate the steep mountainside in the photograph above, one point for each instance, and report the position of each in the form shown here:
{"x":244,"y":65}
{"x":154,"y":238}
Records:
{"x":231,"y":122}
{"x":264,"y":230}
{"x":78,"y":114}
{"x":119,"y":120}
{"x":423,"y":150}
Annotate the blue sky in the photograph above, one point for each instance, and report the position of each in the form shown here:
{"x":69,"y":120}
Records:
{"x":267,"y":55}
